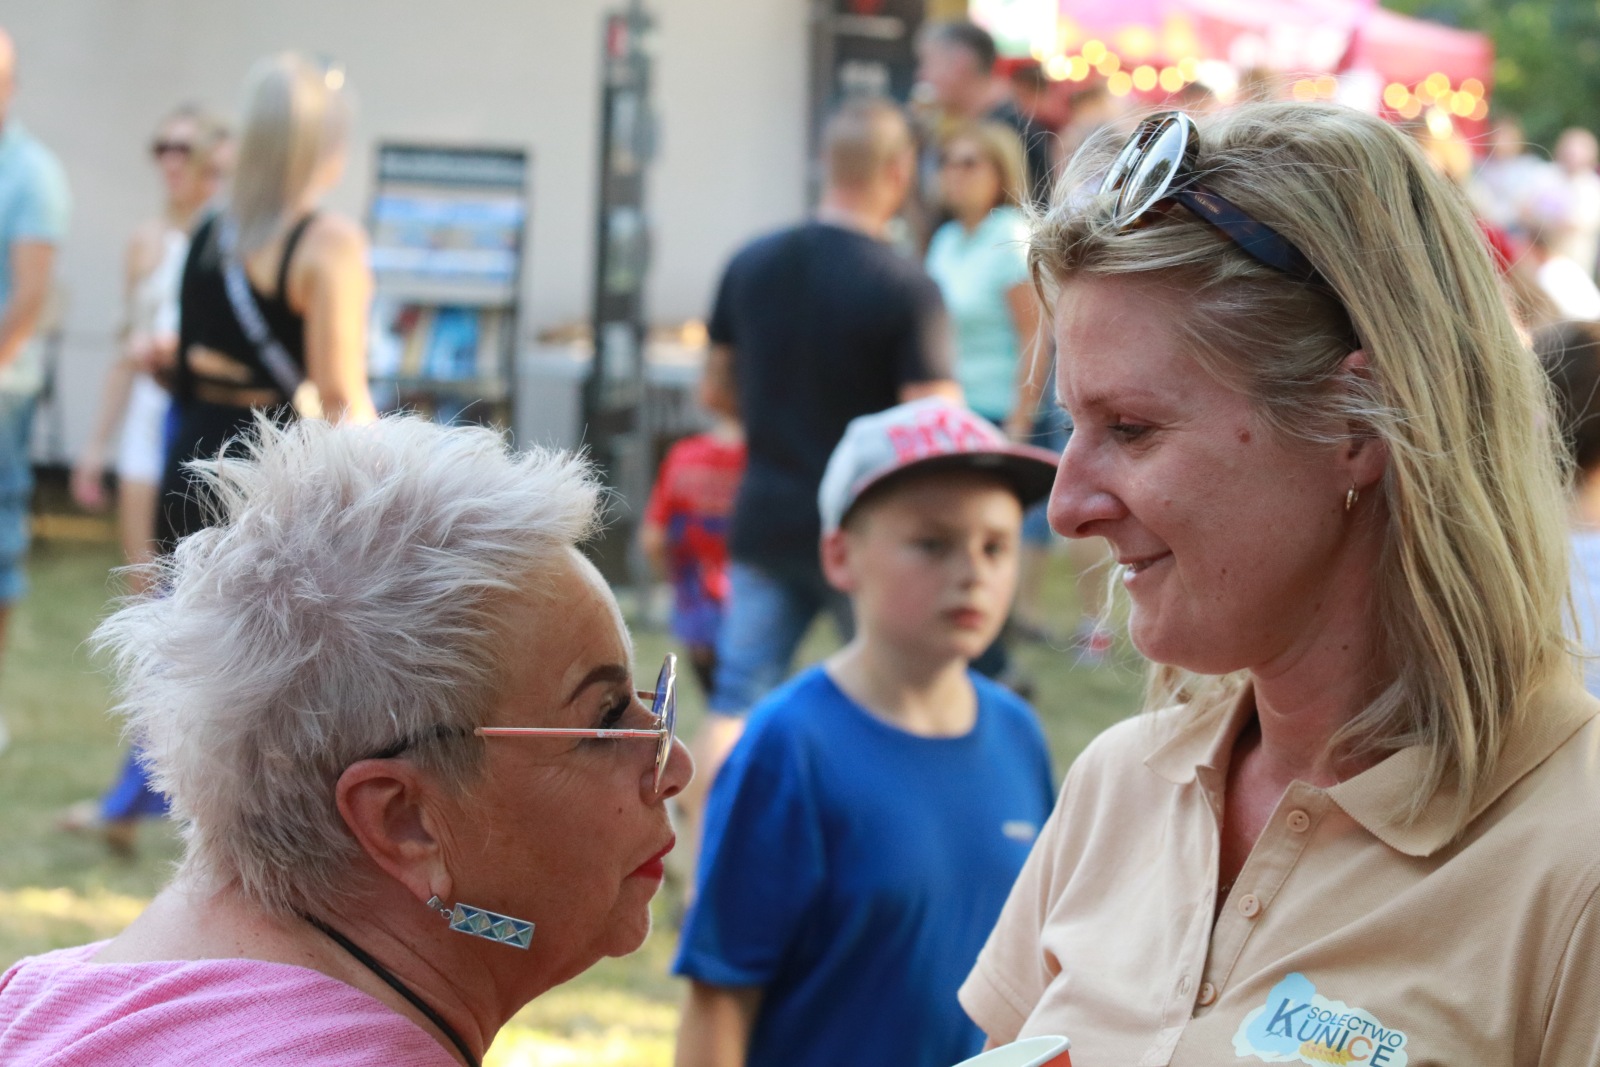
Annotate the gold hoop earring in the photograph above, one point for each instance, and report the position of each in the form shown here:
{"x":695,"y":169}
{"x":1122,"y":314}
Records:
{"x":1351,"y":497}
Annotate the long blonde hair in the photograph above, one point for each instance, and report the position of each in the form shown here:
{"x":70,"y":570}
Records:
{"x":1473,"y":575}
{"x":295,"y":117}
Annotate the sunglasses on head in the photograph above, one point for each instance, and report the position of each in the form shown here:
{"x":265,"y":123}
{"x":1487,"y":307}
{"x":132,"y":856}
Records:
{"x":1157,"y":165}
{"x":162,"y":149}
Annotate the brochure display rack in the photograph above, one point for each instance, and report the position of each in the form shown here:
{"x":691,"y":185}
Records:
{"x":447,"y":228}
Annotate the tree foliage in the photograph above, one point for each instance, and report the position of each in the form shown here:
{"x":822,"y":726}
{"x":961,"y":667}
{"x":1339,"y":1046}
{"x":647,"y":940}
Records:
{"x":1547,"y":57}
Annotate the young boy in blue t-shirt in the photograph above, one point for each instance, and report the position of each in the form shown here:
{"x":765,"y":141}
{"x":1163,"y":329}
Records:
{"x":862,"y":837}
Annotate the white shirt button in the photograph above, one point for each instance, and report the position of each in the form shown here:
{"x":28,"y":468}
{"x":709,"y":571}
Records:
{"x":1299,"y":821}
{"x":1208,"y":995}
{"x":1249,"y":906}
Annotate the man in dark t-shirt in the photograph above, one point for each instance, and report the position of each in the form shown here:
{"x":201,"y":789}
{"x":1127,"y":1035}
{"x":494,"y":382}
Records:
{"x":826,"y":323}
{"x":956,"y":60}
{"x":814,"y":325}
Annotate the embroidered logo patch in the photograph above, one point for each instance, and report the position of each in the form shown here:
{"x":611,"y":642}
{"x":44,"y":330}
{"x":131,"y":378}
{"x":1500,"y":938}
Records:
{"x":1298,"y":1025}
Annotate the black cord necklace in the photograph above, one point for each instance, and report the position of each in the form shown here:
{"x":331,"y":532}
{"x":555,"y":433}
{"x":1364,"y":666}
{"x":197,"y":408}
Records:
{"x":365,"y":959}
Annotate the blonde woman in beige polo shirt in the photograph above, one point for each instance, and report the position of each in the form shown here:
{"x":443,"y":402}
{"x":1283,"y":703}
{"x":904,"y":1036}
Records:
{"x":1366,"y":828}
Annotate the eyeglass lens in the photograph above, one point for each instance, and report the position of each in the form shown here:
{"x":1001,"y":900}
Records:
{"x":665,"y":708}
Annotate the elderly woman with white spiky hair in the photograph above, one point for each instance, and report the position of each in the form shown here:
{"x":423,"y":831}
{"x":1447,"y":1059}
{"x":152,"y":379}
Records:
{"x":393,"y":707}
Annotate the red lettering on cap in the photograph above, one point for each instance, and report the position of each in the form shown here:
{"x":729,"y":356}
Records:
{"x":911,"y":443}
{"x":940,"y":432}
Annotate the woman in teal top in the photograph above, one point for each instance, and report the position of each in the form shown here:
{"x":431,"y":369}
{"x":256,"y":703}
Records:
{"x":979,"y":259}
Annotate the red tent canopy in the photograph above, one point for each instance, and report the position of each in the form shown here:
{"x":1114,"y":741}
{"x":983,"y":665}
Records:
{"x":1305,"y":35}
{"x":1407,"y":50}
{"x":1289,"y":35}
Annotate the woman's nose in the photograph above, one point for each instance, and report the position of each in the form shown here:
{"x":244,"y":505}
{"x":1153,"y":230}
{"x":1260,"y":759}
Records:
{"x":1079,"y":499}
{"x":674,"y":777}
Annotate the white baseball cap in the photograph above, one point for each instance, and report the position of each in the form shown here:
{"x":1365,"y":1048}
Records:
{"x":926,"y":434}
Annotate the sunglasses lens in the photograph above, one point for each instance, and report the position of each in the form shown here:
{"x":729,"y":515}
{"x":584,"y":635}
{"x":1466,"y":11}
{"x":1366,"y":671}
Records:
{"x":1152,"y":175}
{"x":1126,"y":159}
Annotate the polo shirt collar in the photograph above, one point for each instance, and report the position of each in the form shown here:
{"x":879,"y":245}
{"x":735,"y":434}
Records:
{"x":1202,"y":745}
{"x":1377,"y":798}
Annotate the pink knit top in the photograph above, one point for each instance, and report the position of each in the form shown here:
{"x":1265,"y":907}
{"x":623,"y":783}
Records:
{"x":62,"y":1010}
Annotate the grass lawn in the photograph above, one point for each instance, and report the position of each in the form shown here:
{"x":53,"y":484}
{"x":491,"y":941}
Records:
{"x":57,"y":890}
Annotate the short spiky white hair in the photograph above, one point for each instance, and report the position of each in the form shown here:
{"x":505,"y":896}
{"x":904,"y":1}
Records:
{"x":344,"y":602}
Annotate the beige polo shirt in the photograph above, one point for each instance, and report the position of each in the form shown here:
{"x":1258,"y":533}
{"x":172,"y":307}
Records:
{"x":1348,"y":938}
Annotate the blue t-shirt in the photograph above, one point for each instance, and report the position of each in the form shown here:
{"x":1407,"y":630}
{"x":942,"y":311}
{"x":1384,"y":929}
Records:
{"x":975,"y":271}
{"x":34,"y":206}
{"x":1586,"y":603}
{"x":854,"y":870}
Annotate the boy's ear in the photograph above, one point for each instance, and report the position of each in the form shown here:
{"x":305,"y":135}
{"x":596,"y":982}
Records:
{"x":836,"y":564}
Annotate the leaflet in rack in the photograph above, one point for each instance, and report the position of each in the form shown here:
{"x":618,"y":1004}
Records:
{"x":447,"y":227}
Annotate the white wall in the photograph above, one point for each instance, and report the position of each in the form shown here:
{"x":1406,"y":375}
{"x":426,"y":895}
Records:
{"x":94,"y":76}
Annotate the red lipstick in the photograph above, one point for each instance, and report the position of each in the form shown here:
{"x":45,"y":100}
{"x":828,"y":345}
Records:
{"x":654,"y":868}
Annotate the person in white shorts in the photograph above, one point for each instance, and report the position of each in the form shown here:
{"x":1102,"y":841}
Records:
{"x":189,"y":149}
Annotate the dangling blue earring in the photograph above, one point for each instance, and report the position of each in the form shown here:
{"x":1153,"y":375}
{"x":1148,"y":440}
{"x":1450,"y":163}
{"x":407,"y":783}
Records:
{"x":489,"y":925}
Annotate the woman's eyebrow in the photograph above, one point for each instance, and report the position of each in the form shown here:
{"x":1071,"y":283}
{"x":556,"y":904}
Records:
{"x":1113,"y":399}
{"x":610,"y":673}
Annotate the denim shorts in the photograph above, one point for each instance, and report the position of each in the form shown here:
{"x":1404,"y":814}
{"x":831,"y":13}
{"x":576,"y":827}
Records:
{"x":768,"y":612}
{"x":16,"y":493}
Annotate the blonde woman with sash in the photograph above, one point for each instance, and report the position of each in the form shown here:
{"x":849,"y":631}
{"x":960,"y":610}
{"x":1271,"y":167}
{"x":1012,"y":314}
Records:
{"x":276,"y":292}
